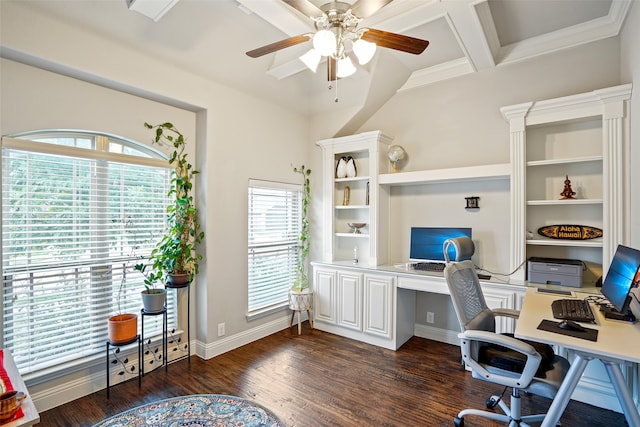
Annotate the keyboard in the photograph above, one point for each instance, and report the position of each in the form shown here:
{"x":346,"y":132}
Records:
{"x":577,"y":310}
{"x":429,"y":266}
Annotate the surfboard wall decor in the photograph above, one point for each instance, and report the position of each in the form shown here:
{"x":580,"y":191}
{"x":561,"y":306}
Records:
{"x":570,"y":232}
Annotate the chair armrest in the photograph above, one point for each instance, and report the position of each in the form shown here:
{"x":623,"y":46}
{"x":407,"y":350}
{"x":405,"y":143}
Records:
{"x":531,"y":365}
{"x":506,"y":312}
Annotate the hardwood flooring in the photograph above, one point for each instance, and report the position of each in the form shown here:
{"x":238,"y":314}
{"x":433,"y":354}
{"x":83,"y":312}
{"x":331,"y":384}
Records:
{"x":320,"y":379}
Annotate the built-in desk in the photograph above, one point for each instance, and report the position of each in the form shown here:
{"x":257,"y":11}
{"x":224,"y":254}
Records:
{"x":377,"y":305}
{"x":360,"y":301}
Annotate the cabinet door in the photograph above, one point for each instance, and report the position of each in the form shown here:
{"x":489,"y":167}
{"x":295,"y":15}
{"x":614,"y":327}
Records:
{"x":324,"y":287}
{"x":350,"y":300}
{"x":378,"y":305}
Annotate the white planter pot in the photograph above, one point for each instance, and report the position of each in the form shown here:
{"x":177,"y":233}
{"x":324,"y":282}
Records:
{"x":301,"y":300}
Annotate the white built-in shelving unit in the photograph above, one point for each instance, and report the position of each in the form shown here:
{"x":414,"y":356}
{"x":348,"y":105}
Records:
{"x":582,"y":137}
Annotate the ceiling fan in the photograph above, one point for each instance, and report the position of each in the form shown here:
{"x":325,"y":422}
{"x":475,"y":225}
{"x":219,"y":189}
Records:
{"x":337,"y":36}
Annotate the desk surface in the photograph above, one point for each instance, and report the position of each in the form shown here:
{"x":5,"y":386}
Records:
{"x":617,"y":340}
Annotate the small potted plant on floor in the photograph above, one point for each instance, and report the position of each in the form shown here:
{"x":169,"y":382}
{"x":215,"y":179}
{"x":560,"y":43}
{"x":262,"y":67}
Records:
{"x":300,"y":296}
{"x":175,"y":254}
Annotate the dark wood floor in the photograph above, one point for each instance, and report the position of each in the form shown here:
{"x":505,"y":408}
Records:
{"x":319,"y":379}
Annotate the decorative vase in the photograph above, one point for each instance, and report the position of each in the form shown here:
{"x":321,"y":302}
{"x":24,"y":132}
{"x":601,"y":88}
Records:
{"x":341,"y":168}
{"x":351,"y":169}
{"x":123,"y":328}
{"x":177,"y":280}
{"x":153,"y":300}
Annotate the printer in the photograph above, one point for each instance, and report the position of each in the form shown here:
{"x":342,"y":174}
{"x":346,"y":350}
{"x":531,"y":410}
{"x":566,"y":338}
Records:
{"x":555,"y":271}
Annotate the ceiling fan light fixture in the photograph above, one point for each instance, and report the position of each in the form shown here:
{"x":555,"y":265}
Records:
{"x":311,"y":59}
{"x":364,"y":51}
{"x":345,"y":67}
{"x":324,"y":42}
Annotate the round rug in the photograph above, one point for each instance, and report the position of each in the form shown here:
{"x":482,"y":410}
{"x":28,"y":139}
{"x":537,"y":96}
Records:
{"x":194,"y":411}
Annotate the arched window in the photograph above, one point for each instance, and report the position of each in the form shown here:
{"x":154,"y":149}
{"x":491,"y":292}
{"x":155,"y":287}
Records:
{"x":79,"y":210}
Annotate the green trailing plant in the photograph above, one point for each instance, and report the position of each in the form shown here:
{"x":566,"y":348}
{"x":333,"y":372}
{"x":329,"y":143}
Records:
{"x":175,"y":253}
{"x":301,"y":281}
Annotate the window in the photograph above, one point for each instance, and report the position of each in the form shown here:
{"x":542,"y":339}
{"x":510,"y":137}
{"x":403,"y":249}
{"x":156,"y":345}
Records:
{"x":274,"y":247}
{"x":78,"y":211}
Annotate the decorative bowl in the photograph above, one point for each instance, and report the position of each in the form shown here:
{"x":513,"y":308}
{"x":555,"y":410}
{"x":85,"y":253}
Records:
{"x":356,"y":226}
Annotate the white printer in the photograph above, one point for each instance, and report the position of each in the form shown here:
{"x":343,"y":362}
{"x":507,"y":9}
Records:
{"x":555,"y":271}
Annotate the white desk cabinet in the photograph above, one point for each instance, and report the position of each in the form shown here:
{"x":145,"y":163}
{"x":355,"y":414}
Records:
{"x":360,"y":305}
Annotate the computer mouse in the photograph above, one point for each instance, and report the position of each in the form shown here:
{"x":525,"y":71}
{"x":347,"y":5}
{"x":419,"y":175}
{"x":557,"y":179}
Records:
{"x":570,"y":325}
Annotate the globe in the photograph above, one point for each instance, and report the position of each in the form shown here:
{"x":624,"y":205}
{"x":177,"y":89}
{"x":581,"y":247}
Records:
{"x":394,"y":154}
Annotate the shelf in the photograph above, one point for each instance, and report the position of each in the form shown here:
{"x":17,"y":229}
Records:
{"x":565,"y":161}
{"x":355,"y":178}
{"x":354,"y":235}
{"x":595,"y":243}
{"x":351,"y":207}
{"x":475,"y":173}
{"x":564,"y":202}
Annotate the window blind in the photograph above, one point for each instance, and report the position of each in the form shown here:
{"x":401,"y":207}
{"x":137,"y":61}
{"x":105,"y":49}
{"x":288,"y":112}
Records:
{"x":74,"y":223}
{"x":274,"y":246}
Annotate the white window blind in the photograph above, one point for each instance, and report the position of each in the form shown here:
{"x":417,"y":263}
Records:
{"x":274,"y":246}
{"x":74,"y":222}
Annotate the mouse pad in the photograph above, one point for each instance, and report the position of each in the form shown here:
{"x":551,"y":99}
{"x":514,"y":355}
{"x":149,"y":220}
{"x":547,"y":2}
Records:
{"x":550,"y":326}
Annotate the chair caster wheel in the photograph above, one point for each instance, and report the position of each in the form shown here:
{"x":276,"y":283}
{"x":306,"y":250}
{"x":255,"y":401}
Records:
{"x":491,"y":403}
{"x":458,"y":422}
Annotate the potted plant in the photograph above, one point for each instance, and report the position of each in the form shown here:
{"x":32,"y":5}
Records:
{"x":122,"y":327}
{"x":153,"y":299}
{"x":300,"y":296}
{"x":175,"y":254}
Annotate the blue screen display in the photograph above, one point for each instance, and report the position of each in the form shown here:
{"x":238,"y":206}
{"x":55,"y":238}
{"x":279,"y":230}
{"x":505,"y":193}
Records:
{"x":427,"y":242}
{"x":622,"y":275}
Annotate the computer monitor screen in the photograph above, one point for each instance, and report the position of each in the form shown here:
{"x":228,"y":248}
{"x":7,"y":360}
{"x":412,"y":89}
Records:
{"x":623,"y":274}
{"x":427,"y":242}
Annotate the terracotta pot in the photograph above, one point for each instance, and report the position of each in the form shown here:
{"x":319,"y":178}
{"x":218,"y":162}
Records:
{"x":123,"y":328}
{"x":153,"y":300}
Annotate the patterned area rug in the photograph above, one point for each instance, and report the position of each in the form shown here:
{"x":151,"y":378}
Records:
{"x":194,"y":411}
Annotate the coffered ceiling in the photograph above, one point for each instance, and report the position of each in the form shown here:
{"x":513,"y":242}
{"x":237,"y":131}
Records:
{"x":210,"y":38}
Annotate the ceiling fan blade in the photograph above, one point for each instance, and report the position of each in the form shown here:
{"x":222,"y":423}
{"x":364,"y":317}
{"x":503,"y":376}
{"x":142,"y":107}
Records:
{"x":366,"y":8}
{"x":331,"y":69}
{"x":306,"y":7}
{"x":395,"y":41}
{"x":282,"y":44}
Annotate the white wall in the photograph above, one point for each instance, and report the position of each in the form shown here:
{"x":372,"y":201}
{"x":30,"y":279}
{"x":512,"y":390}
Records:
{"x":35,"y":99}
{"x":237,"y":137}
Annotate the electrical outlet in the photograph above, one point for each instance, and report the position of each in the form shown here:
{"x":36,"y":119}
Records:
{"x":430,"y":317}
{"x":221,"y":329}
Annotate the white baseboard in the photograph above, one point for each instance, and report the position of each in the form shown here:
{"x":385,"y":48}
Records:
{"x":436,"y":334}
{"x":207,"y":351}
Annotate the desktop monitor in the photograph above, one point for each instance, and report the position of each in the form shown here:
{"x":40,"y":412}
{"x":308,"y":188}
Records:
{"x":427,"y":242}
{"x":623,"y":274}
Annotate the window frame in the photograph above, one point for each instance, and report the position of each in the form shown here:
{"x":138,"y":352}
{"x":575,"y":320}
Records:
{"x":100,"y":152}
{"x":290,"y":244}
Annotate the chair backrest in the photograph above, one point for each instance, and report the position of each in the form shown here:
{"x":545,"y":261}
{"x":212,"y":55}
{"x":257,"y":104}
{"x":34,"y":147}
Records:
{"x":468,"y":300}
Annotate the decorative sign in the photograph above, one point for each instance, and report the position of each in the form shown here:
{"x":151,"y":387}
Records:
{"x":570,"y":232}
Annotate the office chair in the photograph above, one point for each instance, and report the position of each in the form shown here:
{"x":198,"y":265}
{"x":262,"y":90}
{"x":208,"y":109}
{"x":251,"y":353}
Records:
{"x":497,"y":358}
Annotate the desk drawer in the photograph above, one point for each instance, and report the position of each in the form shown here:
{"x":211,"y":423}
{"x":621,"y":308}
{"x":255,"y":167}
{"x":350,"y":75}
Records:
{"x":436,"y":285}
